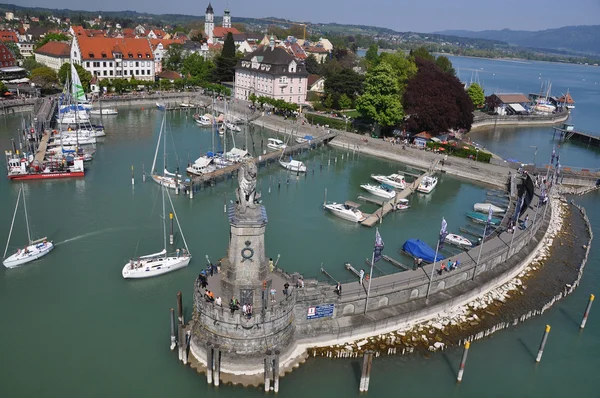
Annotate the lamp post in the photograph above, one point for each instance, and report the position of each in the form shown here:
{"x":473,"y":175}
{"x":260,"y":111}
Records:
{"x":476,"y":153}
{"x":534,"y":153}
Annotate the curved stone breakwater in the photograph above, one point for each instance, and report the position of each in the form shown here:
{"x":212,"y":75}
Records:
{"x":553,"y":272}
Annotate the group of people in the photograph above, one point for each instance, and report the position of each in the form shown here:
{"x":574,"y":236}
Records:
{"x":450,"y":266}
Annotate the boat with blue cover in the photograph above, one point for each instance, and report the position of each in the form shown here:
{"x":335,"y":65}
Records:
{"x":416,"y":248}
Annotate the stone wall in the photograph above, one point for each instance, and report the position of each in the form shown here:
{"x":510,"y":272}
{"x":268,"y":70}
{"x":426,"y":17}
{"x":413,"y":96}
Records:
{"x":483,"y":120}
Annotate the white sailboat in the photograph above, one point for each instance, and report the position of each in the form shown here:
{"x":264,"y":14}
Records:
{"x":293,"y":165}
{"x":162,"y":262}
{"x":167,"y":179}
{"x":34,"y":249}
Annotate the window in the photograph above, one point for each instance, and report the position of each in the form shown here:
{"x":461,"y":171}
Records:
{"x":148,"y":72}
{"x":291,"y":90}
{"x":143,"y":72}
{"x":137,"y":63}
{"x":110,"y":64}
{"x":103,"y":73}
{"x":125,"y":73}
{"x":104,"y":64}
{"x":299,"y":100}
{"x":300,"y":89}
{"x":137,"y":72}
{"x":87,"y":64}
{"x":281,"y":90}
{"x":110,"y":72}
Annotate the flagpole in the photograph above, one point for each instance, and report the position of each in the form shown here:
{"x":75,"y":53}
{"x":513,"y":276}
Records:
{"x":480,"y":250}
{"x":432,"y":270}
{"x":370,"y":277}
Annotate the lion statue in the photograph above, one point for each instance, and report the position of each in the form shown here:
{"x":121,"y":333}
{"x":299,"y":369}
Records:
{"x":246,"y":192}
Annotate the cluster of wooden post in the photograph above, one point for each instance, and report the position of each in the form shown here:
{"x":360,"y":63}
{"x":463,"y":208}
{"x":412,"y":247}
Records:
{"x":178,"y":335}
{"x":213,"y":364}
{"x":271,"y":371}
{"x":366,"y":371}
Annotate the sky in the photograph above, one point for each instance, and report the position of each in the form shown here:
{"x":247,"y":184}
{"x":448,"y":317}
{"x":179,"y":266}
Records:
{"x":399,"y":15}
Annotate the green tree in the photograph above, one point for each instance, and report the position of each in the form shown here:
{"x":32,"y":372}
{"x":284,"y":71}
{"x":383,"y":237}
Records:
{"x":14,"y":49}
{"x":30,"y":64}
{"x":225,"y":63}
{"x":344,"y":102}
{"x":372,"y":55}
{"x":381,"y":99}
{"x":194,"y":65}
{"x":228,"y":47}
{"x":404,"y":67}
{"x":445,"y":64}
{"x":328,"y":101}
{"x":120,"y":85}
{"x":422,"y":52}
{"x":476,"y":94}
{"x":52,"y":37}
{"x":312,"y":65}
{"x":173,"y":59}
{"x":252,"y":98}
{"x":342,"y":81}
{"x":65,"y":72}
{"x":3,"y":88}
{"x":44,"y":77}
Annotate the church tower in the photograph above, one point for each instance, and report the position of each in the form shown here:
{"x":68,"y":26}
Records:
{"x":209,"y":23}
{"x":226,"y":19}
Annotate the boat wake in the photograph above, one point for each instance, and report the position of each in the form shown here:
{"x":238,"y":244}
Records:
{"x":87,"y":235}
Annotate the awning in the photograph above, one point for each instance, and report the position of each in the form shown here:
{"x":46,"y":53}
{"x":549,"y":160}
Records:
{"x":517,"y":108}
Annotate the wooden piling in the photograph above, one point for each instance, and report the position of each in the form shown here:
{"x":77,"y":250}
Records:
{"x":179,"y":307}
{"x":543,"y":344}
{"x":217,"y":365}
{"x":587,"y":311}
{"x":267,"y":371}
{"x":209,"y":363}
{"x":366,"y":371}
{"x":276,"y":372}
{"x":463,"y":361}
{"x":181,"y":340}
{"x":173,"y":338}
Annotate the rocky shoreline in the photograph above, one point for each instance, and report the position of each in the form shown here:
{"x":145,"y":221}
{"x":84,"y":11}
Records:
{"x":553,"y":272}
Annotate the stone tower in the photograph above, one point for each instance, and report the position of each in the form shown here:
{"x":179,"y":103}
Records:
{"x":209,"y":23}
{"x":226,"y":19}
{"x":243,"y":341}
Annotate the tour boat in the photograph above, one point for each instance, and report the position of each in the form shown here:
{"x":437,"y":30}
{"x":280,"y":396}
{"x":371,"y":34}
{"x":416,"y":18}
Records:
{"x":22,"y":169}
{"x":159,"y":263}
{"x":204,"y":120}
{"x":34,"y":249}
{"x":293,"y":165}
{"x":458,"y":240}
{"x":402,"y":204}
{"x":485,"y":208}
{"x":394,"y":180}
{"x":104,"y":112}
{"x":427,"y":184}
{"x":276,"y":144}
{"x":482,"y":218}
{"x":306,"y":138}
{"x":383,"y":191}
{"x":348,"y":211}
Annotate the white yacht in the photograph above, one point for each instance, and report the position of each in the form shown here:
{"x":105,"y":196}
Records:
{"x":402,"y":204}
{"x":383,"y":191}
{"x":276,"y":144}
{"x":232,"y":127}
{"x":458,"y":240}
{"x":155,"y":264}
{"x":395,"y":180}
{"x":427,"y":184}
{"x":104,"y":112}
{"x":485,"y":208}
{"x":293,"y":165}
{"x":204,"y":120}
{"x":348,"y":211}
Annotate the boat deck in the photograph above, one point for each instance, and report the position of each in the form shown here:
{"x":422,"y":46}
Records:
{"x":41,"y":153}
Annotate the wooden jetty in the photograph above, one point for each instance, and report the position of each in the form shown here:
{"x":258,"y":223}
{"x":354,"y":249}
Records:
{"x":568,"y":132}
{"x":41,"y":152}
{"x":368,"y":262}
{"x":396,"y":263}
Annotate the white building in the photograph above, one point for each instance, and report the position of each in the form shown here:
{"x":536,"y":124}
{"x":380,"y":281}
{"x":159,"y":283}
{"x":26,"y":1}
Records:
{"x":271,"y":72}
{"x":53,"y":54}
{"x":26,"y":49}
{"x":108,"y":57}
{"x":209,"y":23}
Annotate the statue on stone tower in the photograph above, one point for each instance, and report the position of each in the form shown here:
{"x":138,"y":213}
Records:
{"x":247,"y":197}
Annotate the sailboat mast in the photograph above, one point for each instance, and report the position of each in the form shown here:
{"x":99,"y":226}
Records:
{"x":12,"y":222}
{"x":26,"y":217}
{"x":178,"y":225}
{"x":212,"y":125}
{"x":162,"y":189}
{"x":152,"y":171}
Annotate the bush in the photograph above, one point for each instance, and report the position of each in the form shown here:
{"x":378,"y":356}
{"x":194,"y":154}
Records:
{"x":461,"y":151}
{"x":323,"y":120}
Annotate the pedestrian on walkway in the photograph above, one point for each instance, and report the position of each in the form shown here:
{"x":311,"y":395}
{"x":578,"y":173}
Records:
{"x":361,"y":276}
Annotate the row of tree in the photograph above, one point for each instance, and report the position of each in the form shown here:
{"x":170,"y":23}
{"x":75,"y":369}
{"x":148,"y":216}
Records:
{"x":279,"y":104}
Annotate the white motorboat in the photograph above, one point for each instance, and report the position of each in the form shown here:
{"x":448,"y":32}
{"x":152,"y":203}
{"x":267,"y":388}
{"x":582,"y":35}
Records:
{"x":202,"y":165}
{"x":293,"y":165}
{"x":232,"y":127}
{"x":276,"y":144}
{"x":159,"y":263}
{"x":395,"y":180}
{"x":402,"y":204}
{"x":72,"y":119}
{"x":306,"y":138}
{"x":104,"y":112}
{"x":186,"y":105}
{"x":204,"y":120}
{"x":33,"y":250}
{"x":427,"y":184}
{"x":458,"y":240}
{"x":485,"y":208}
{"x":161,"y":106}
{"x":81,"y":132}
{"x":73,"y":140}
{"x":348,"y":211}
{"x":382,"y":190}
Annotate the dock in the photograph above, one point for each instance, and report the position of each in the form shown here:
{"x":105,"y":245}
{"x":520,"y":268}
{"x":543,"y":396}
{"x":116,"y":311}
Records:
{"x":396,"y":263}
{"x":41,"y":152}
{"x":567,"y":132}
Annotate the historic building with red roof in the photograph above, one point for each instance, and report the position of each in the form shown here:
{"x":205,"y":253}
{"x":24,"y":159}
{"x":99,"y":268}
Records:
{"x":53,"y":54}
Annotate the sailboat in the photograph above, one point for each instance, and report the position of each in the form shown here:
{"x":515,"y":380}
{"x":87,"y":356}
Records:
{"x":168,"y":179}
{"x":34,"y":249}
{"x":162,"y":262}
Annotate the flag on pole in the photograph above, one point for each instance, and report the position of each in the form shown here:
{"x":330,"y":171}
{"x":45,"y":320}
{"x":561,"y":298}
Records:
{"x":378,"y":246}
{"x":443,"y":233}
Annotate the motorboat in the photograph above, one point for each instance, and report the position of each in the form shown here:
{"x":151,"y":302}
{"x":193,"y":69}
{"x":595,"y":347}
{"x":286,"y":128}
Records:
{"x":236,"y":155}
{"x":293,"y":165}
{"x":73,"y":140}
{"x":104,"y":112}
{"x":34,"y":250}
{"x":161,"y":106}
{"x":458,"y":240}
{"x":482,"y":218}
{"x":348,"y":211}
{"x":427,"y":184}
{"x":306,"y":138}
{"x":21,"y":169}
{"x":186,"y":105}
{"x":383,"y":191}
{"x":232,"y":127}
{"x":395,"y":180}
{"x":485,"y":208}
{"x":276,"y":144}
{"x":202,"y":165}
{"x":402,"y":204}
{"x":204,"y":120}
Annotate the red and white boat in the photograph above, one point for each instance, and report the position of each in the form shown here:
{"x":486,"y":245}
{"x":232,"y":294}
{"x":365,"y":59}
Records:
{"x":20,"y":169}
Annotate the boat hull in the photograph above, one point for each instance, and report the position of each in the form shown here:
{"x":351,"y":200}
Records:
{"x":299,"y":168}
{"x":47,"y":176}
{"x":349,"y":216}
{"x":148,"y":268}
{"x":378,"y":192}
{"x":387,"y":181}
{"x":458,"y":240}
{"x":18,"y":259}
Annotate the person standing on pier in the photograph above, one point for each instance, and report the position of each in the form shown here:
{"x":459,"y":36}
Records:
{"x":338,"y":289}
{"x":361,"y":276}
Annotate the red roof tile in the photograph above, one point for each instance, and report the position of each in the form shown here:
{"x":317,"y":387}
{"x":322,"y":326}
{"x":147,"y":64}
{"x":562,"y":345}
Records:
{"x":8,"y":35}
{"x":103,"y":48}
{"x":222,"y":32}
{"x":55,"y":49}
{"x":169,"y":74}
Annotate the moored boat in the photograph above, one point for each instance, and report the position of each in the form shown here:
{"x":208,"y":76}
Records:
{"x":383,"y":191}
{"x":485,"y":208}
{"x":293,"y":165}
{"x":395,"y":180}
{"x":348,"y":211}
{"x":22,"y":169}
{"x":104,"y":112}
{"x":416,"y":248}
{"x":402,"y":204}
{"x":427,"y":184}
{"x":458,"y":240}
{"x":276,"y":144}
{"x":306,"y":138}
{"x":482,"y":218}
{"x":204,"y":120}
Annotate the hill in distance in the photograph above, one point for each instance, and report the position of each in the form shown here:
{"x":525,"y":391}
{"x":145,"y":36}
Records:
{"x":576,"y":39}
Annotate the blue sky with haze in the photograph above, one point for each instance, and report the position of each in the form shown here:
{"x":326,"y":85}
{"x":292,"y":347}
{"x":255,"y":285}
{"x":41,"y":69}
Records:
{"x":416,"y":16}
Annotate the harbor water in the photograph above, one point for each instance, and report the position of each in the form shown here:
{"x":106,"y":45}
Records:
{"x":73,"y":327}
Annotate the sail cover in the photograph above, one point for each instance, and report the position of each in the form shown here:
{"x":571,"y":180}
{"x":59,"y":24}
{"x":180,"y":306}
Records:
{"x":419,"y":249}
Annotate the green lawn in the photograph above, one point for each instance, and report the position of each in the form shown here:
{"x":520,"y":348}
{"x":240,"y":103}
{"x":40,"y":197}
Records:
{"x":353,"y":114}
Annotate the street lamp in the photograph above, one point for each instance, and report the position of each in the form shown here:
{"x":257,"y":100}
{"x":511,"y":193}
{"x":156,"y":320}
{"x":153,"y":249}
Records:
{"x":534,"y":153}
{"x":476,"y":153}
